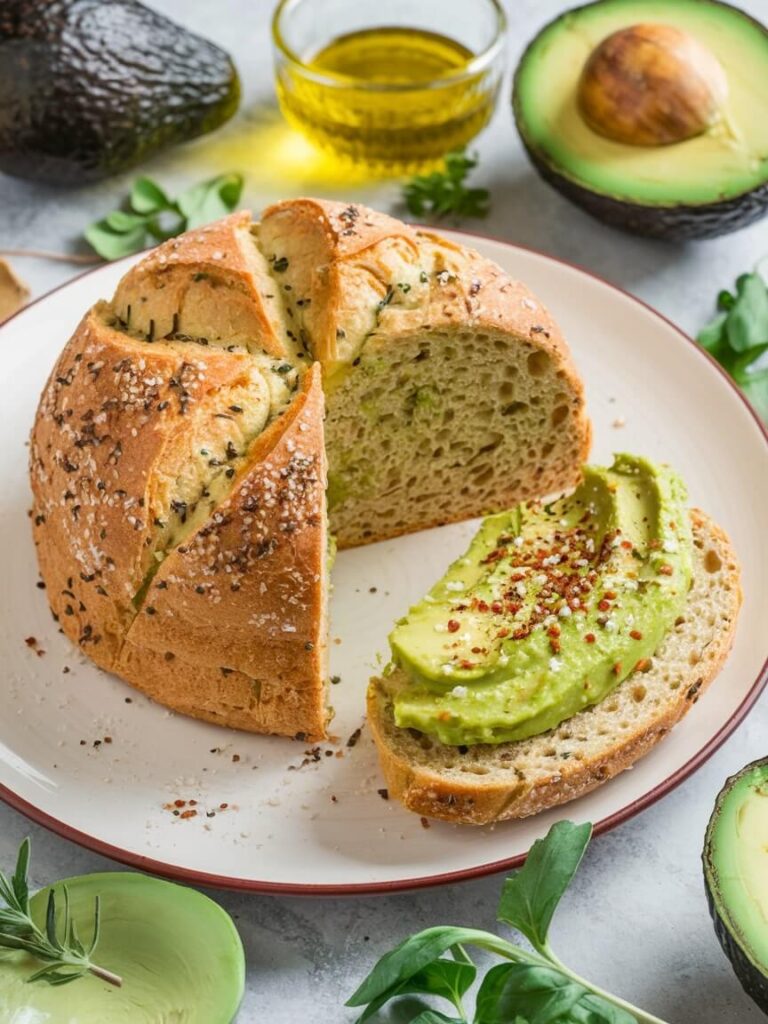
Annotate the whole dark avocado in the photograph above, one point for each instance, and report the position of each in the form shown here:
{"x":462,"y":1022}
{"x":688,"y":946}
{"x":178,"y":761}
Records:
{"x":91,"y":87}
{"x":650,"y":115}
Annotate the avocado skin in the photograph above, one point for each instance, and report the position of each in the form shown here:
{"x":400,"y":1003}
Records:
{"x":92,"y":87}
{"x":679,"y":223}
{"x":753,"y":981}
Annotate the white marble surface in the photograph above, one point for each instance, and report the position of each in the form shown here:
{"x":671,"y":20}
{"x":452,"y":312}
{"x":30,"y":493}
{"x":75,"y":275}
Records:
{"x":636,"y":920}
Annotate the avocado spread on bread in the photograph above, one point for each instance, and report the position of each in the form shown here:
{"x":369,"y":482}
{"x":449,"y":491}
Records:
{"x":551,"y":607}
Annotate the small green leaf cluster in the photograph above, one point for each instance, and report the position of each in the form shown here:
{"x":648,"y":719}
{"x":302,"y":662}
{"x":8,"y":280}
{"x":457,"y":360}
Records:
{"x":64,"y":955}
{"x":152,"y":216}
{"x":443,"y":192}
{"x":738,"y":335}
{"x":530,"y":987}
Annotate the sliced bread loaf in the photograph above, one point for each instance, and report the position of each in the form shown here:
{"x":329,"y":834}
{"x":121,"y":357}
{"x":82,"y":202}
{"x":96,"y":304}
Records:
{"x":485,"y":783}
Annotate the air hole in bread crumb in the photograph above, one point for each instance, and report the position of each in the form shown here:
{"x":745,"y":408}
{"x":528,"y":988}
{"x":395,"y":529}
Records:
{"x":559,"y":414}
{"x":475,"y":769}
{"x":538,"y":364}
{"x":712,"y":561}
{"x":694,"y":658}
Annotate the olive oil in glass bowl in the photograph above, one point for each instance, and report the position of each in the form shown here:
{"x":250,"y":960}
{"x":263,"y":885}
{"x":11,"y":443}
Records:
{"x":391,"y":85}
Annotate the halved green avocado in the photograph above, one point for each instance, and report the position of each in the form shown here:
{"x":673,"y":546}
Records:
{"x":736,"y":876}
{"x":706,"y":185}
{"x":178,"y":953}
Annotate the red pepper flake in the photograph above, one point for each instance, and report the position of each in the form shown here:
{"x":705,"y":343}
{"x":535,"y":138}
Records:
{"x":643,"y":665}
{"x":497,"y":607}
{"x":554,"y":644}
{"x":425,"y":823}
{"x":465,"y":663}
{"x":107,"y":739}
{"x":610,"y":594}
{"x":188,"y":814}
{"x":503,"y":633}
{"x":655,"y":544}
{"x":223,"y":807}
{"x":193,"y":803}
{"x":445,"y":716}
{"x":179,"y":803}
{"x":617,"y":669}
{"x":666,"y":570}
{"x":626,"y":544}
{"x":235,"y":757}
{"x":553,"y":631}
{"x":589,"y":638}
{"x":604,"y":605}
{"x":477,"y":650}
{"x":453,"y":625}
{"x":482,"y":606}
{"x":636,"y":634}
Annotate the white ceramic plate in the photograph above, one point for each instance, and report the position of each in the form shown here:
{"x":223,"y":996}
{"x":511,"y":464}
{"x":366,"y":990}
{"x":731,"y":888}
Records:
{"x":322,"y":827}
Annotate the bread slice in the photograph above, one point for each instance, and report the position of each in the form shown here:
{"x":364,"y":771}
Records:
{"x":450,"y":392}
{"x":481,"y":784}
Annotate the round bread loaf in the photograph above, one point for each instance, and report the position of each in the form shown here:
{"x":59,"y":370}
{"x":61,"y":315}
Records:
{"x":178,"y":457}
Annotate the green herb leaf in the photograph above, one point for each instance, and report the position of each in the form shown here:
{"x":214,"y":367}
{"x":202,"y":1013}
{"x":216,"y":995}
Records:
{"x":542,"y":995}
{"x":530,"y":896}
{"x":147,"y":197}
{"x":210,"y":200}
{"x":435,"y":1017}
{"x":593,"y":1009}
{"x":738,"y":336}
{"x":418,"y":952}
{"x":152,"y":216}
{"x":444,"y":192}
{"x":447,"y":979}
{"x":60,"y":949}
{"x":113,"y":245}
{"x":747,"y":322}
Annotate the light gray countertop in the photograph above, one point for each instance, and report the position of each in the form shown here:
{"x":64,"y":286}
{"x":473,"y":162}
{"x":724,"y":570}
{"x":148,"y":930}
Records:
{"x":636,"y":921}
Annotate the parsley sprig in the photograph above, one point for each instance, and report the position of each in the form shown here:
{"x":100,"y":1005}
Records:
{"x":151,"y":216}
{"x":64,"y":955}
{"x":738,"y":335}
{"x":443,"y":192}
{"x":530,"y":987}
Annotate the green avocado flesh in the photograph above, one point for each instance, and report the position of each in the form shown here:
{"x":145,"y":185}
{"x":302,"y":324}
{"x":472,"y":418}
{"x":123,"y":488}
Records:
{"x":550,"y":608}
{"x":178,"y":953}
{"x":729,"y":159}
{"x":736,"y":873}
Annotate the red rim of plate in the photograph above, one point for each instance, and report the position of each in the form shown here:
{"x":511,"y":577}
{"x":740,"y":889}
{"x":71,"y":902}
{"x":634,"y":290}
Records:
{"x":204,"y":878}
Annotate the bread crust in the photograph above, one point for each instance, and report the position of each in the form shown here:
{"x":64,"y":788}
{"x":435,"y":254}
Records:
{"x":486,"y":799}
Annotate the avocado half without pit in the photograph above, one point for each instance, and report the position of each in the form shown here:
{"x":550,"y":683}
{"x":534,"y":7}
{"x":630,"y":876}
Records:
{"x":736,"y":876}
{"x":650,"y":114}
{"x":178,"y":953}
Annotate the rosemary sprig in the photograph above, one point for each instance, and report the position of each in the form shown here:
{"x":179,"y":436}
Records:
{"x":65,"y":957}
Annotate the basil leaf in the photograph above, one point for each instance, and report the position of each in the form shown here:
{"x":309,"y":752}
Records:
{"x":435,"y":1017}
{"x":592,"y":1009}
{"x":448,"y":979}
{"x":415,"y":954}
{"x":211,"y":199}
{"x":112,"y":245}
{"x":747,"y":323}
{"x":542,"y":995}
{"x":713,"y":333}
{"x":119,"y":221}
{"x":148,"y":197}
{"x":530,"y":896}
{"x":725,"y":300}
{"x":740,"y":364}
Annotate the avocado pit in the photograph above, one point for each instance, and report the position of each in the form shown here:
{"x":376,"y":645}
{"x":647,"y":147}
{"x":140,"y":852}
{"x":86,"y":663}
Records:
{"x":651,"y":85}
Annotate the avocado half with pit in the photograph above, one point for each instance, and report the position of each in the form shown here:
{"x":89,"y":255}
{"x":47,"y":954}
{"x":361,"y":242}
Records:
{"x":736,"y":876}
{"x":651,"y":114}
{"x":177,"y":952}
